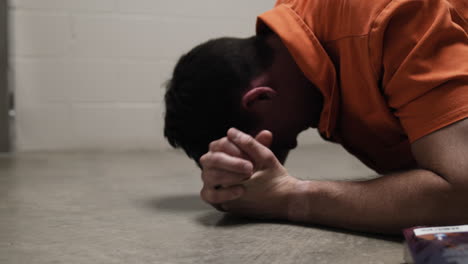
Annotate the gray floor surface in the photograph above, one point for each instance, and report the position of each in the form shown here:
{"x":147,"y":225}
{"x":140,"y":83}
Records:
{"x":143,"y":207}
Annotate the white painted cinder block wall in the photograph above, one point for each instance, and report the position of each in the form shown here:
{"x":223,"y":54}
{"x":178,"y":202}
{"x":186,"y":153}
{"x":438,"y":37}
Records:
{"x":89,"y":74}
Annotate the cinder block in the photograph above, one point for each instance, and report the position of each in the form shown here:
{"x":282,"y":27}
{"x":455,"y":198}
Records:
{"x":117,"y":126}
{"x":94,"y":5}
{"x":39,"y":34}
{"x":41,"y":81}
{"x":200,"y":8}
{"x":44,"y":127}
{"x":165,"y":75}
{"x":115,"y":81}
{"x":126,"y":36}
{"x":96,"y":80}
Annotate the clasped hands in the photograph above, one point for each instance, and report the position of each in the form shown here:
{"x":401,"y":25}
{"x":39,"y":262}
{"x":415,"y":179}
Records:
{"x":242,"y":175}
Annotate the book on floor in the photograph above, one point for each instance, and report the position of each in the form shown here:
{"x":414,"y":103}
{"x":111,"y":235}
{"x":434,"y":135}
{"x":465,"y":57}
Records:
{"x":436,"y":245}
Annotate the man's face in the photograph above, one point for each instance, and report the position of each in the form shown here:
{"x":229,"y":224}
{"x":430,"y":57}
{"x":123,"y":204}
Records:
{"x":297,"y":103}
{"x":296,"y":107}
{"x":290,"y":114}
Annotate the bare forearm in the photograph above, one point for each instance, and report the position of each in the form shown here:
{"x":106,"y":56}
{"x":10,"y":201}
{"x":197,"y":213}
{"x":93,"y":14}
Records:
{"x":386,"y":204}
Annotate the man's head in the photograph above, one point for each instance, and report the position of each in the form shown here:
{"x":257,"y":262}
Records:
{"x":251,"y":84}
{"x":203,"y":98}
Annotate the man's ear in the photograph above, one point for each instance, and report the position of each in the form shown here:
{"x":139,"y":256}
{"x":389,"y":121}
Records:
{"x":256,"y":96}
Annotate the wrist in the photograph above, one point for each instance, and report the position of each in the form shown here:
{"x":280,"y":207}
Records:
{"x":299,"y":203}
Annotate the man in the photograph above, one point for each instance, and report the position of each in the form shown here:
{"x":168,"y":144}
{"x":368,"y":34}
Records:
{"x":388,"y":80}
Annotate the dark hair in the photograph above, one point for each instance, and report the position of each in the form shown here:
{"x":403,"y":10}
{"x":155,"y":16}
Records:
{"x":203,"y":98}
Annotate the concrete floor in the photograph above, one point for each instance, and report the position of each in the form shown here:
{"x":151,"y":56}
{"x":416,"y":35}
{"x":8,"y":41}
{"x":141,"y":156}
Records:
{"x":144,"y":208}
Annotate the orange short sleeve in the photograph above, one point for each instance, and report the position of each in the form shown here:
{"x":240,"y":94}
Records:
{"x":425,"y":65}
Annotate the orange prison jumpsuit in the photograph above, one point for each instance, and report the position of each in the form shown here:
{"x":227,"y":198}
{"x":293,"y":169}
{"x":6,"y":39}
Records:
{"x":390,"y":72}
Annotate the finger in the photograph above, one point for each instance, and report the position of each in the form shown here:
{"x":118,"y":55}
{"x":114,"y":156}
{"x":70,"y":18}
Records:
{"x":228,"y":147}
{"x":223,"y":195}
{"x":222,"y":178}
{"x":261,"y":155}
{"x":265,"y":138}
{"x":220,"y":160}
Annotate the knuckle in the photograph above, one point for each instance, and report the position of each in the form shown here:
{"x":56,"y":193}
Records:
{"x":214,"y":159}
{"x":213,"y":144}
{"x":205,"y":176}
{"x":211,"y":178}
{"x":215,"y":178}
{"x":224,"y":145}
{"x":214,"y":197}
{"x":223,"y":141}
{"x":203,"y":195}
{"x":210,"y":160}
{"x":241,"y":165}
{"x":204,"y":158}
{"x":249,"y":141}
{"x":208,"y":195}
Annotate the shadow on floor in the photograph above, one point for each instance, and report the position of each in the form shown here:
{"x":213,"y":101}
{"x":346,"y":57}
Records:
{"x":221,"y":219}
{"x":226,"y":220}
{"x":177,"y":203}
{"x":213,"y":218}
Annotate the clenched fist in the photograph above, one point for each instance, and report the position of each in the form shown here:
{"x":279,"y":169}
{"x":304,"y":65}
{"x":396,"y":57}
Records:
{"x":242,"y":175}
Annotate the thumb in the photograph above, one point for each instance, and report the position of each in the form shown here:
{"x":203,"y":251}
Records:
{"x":265,"y":138}
{"x":260,"y":154}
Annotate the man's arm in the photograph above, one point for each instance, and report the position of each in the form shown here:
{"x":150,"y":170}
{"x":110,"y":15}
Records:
{"x":255,"y":184}
{"x":436,"y":194}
